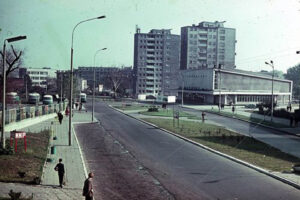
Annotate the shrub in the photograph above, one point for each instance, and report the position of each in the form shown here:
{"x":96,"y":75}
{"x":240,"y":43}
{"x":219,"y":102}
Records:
{"x":281,"y":113}
{"x":153,"y":109}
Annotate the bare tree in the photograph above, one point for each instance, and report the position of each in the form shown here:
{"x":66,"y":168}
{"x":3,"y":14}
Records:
{"x":13,"y":59}
{"x":116,"y":79}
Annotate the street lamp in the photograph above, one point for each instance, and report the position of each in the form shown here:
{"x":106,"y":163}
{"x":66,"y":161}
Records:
{"x":220,"y":96}
{"x":93,"y":102}
{"x":71,"y":75}
{"x":14,"y":39}
{"x":272,"y":101}
{"x":298,"y":52}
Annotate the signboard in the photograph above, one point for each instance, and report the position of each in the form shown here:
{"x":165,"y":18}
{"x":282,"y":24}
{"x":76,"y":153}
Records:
{"x":17,"y":135}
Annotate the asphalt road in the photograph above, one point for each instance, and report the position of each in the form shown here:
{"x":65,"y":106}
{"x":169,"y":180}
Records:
{"x":186,"y":170}
{"x":286,"y":143}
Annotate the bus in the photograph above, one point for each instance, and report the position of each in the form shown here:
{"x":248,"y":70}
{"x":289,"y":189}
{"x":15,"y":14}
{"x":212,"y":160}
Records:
{"x":33,"y":98}
{"x":82,"y":97}
{"x":12,"y":97}
{"x":47,"y":99}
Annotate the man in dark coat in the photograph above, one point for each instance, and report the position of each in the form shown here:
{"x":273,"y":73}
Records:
{"x":60,"y":117}
{"x":88,"y":188}
{"x":61,"y":172}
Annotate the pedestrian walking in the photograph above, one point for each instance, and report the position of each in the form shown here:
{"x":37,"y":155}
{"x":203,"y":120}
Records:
{"x":80,"y":106}
{"x":60,"y":117}
{"x":233,"y":109}
{"x":60,"y":168}
{"x":88,"y":188}
{"x":67,"y":111}
{"x":203,"y":115}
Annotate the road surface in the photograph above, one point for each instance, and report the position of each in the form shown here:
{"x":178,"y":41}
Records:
{"x":185,"y":170}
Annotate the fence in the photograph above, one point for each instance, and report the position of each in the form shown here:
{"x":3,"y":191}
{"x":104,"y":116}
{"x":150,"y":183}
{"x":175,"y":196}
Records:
{"x":21,"y":113}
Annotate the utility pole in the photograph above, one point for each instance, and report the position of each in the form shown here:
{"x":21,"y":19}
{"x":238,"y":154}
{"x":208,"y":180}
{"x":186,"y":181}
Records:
{"x":4,"y":85}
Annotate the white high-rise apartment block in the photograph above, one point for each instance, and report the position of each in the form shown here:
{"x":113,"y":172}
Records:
{"x":207,"y":45}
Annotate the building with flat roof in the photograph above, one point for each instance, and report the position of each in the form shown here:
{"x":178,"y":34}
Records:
{"x":156,"y":62}
{"x":233,"y":87}
{"x":206,"y":45}
{"x":38,"y":76}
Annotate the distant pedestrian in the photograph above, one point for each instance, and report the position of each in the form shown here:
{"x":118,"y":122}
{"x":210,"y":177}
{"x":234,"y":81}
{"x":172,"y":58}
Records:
{"x":88,"y":187}
{"x":67,"y":111}
{"x":61,"y":172}
{"x":203,"y":115}
{"x":80,"y":106}
{"x":60,"y":117}
{"x":233,"y":109}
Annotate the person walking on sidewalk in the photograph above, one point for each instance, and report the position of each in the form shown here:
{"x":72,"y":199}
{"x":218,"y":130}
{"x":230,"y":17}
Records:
{"x":60,"y":168}
{"x":60,"y":117}
{"x":88,"y":188}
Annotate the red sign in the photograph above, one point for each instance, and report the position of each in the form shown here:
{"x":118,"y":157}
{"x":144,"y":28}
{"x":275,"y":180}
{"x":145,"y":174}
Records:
{"x":17,"y":135}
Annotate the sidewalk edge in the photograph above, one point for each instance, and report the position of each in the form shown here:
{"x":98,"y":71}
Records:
{"x":80,"y":151}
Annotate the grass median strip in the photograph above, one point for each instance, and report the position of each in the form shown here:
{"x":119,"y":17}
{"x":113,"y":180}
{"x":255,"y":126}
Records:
{"x":127,"y":107}
{"x":29,"y":163}
{"x":167,"y":113}
{"x":230,"y":143}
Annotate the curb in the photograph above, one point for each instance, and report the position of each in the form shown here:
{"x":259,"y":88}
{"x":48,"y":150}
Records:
{"x":261,"y":170}
{"x":262,"y":125}
{"x":80,"y":152}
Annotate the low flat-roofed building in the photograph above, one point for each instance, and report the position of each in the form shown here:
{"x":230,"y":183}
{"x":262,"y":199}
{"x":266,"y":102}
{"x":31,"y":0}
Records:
{"x":233,"y":86}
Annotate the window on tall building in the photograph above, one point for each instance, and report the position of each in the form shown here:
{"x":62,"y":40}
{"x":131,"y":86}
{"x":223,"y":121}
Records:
{"x":222,"y":37}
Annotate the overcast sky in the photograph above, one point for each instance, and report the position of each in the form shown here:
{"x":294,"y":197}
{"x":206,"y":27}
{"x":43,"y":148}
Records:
{"x":266,"y":29}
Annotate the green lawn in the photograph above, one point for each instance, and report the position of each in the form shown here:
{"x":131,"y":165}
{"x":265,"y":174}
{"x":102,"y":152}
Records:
{"x":250,"y":119}
{"x":167,"y":113}
{"x":30,"y":162}
{"x":231,"y":143}
{"x":127,"y":107}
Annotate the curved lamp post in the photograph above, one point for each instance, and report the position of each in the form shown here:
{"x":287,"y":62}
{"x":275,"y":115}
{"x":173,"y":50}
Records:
{"x":14,"y":39}
{"x":272,"y":101}
{"x":71,"y":76}
{"x":94,"y":80}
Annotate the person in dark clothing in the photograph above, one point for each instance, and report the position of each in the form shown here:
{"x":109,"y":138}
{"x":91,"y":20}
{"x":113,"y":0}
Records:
{"x":60,"y":117}
{"x":88,"y":188}
{"x":203,"y":115}
{"x":61,"y":172}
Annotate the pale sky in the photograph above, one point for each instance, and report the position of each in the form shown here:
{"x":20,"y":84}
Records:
{"x":265,"y":29}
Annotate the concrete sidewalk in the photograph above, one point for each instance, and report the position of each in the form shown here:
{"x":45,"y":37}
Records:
{"x":72,"y":159}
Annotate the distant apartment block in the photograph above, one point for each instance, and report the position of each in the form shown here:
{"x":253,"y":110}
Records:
{"x":38,"y":76}
{"x":207,"y":45}
{"x":156,"y":62}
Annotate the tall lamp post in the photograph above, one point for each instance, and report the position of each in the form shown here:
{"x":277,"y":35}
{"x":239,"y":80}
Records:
{"x":220,"y":96}
{"x":298,"y":52}
{"x":14,"y":39}
{"x":71,"y":76}
{"x":94,"y":80}
{"x":272,"y":100}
